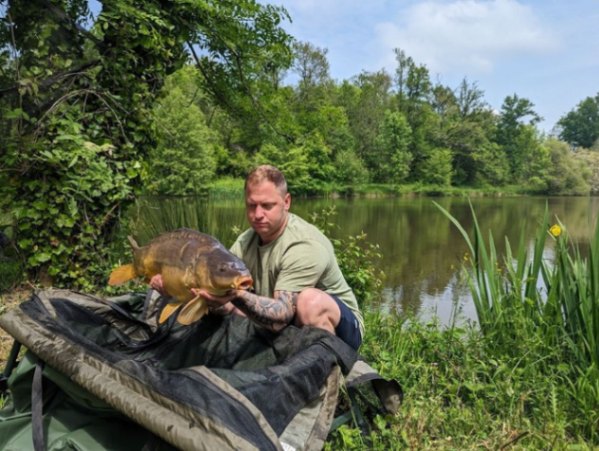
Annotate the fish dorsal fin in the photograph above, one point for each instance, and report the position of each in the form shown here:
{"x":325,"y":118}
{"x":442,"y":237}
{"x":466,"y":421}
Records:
{"x":133,"y":243}
{"x":122,"y":274}
{"x":186,"y":235}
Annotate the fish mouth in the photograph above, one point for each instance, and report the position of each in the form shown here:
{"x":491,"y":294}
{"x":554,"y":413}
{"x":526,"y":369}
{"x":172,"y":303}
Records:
{"x":244,"y":283}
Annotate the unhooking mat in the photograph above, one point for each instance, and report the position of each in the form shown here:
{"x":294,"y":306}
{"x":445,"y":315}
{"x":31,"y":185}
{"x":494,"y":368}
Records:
{"x":100,"y":374}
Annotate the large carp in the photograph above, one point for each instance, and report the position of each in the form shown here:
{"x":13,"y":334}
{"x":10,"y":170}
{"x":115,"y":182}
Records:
{"x":186,"y":259}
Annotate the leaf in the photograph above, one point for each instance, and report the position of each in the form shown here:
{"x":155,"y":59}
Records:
{"x":73,"y":161}
{"x":17,"y":113}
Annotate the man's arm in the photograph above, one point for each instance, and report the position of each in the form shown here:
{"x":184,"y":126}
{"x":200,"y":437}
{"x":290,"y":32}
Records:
{"x":273,"y":314}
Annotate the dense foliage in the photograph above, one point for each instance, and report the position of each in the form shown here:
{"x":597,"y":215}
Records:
{"x":75,"y":103}
{"x":580,"y":127}
{"x":379,"y":129}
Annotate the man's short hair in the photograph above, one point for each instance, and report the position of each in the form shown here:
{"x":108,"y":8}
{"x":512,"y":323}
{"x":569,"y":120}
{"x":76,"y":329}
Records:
{"x":268,"y":173}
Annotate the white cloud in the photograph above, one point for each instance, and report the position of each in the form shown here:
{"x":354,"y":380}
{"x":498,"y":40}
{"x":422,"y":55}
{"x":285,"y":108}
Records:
{"x":465,"y":35}
{"x":329,"y":8}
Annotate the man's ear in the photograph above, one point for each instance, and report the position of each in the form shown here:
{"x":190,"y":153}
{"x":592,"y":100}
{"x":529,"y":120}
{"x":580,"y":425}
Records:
{"x":287,"y":201}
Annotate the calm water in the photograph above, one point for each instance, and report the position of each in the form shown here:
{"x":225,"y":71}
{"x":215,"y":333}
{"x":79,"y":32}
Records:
{"x":422,"y":251}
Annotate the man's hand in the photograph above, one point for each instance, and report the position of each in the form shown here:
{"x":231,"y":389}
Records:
{"x":157,"y":284}
{"x":221,"y":305}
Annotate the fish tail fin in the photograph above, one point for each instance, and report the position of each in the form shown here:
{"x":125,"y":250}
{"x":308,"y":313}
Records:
{"x":122,"y":274}
{"x":193,"y":311}
{"x":133,"y":243}
{"x":167,"y":311}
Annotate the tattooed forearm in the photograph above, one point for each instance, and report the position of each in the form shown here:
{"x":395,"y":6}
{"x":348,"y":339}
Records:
{"x":274,"y":314}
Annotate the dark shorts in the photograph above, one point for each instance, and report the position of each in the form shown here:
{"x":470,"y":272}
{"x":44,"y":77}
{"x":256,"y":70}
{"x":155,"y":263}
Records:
{"x":348,"y":328}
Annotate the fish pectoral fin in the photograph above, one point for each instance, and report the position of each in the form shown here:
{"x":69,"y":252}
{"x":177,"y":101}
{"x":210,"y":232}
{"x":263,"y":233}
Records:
{"x":122,"y":274}
{"x":167,"y":311}
{"x":193,"y":311}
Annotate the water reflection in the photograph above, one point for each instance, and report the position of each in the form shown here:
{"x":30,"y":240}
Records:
{"x":422,"y":251}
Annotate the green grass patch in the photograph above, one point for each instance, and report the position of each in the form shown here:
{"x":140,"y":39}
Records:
{"x":226,"y":188}
{"x":463,"y":392}
{"x":231,"y":188}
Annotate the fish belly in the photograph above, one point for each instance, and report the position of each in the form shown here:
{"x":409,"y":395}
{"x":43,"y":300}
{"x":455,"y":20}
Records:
{"x":174,"y":280}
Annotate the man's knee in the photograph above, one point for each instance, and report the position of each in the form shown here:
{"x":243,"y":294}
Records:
{"x":316,"y":308}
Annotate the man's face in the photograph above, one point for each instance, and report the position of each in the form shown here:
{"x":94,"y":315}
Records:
{"x":266,"y":209}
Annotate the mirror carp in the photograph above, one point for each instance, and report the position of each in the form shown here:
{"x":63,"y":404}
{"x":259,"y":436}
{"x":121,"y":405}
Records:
{"x":186,"y":259}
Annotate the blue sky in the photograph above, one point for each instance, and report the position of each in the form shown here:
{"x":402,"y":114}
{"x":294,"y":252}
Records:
{"x":544,"y":50}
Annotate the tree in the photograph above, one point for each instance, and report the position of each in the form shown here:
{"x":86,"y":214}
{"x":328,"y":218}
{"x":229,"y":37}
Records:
{"x":465,"y":125}
{"x":516,"y":114}
{"x":310,"y":64}
{"x":534,"y":159}
{"x":75,"y":104}
{"x":470,"y":99}
{"x":404,"y":65}
{"x":414,"y":101}
{"x":565,"y":175}
{"x":183,"y":161}
{"x":365,"y":100}
{"x":437,"y":168}
{"x":392,"y":146}
{"x":314,"y":86}
{"x":413,"y":84}
{"x":580,"y":127}
{"x":349,"y":169}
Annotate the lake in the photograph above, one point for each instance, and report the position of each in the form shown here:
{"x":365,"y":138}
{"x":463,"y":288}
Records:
{"x":422,"y":251}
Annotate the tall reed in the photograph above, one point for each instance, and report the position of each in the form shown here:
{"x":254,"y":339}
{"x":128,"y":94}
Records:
{"x":542,"y":307}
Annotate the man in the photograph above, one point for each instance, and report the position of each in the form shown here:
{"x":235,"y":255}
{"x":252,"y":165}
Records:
{"x":296,"y":275}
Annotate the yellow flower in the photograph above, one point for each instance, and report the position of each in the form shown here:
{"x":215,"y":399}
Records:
{"x":555,"y":230}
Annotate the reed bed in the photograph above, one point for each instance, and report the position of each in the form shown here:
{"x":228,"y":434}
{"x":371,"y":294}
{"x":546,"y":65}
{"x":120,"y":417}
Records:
{"x":542,"y":308}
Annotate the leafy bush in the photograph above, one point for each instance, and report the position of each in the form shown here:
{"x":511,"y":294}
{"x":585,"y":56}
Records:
{"x":437,"y":168}
{"x":349,"y":168}
{"x":62,"y":210}
{"x":356,"y":258}
{"x":565,"y":174}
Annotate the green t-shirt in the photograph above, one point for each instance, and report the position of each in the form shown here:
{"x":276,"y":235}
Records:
{"x":302,"y":257}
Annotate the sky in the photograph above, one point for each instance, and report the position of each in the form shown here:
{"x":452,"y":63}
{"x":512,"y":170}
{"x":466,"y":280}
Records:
{"x":546,"y":51}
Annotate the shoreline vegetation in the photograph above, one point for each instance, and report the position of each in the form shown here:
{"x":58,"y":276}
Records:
{"x":228,"y":187}
{"x":231,"y":188}
{"x":525,"y":376}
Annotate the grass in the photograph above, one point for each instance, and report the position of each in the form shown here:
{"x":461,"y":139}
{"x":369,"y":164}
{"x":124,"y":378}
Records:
{"x":232,"y":188}
{"x":461,"y":392}
{"x":226,"y":188}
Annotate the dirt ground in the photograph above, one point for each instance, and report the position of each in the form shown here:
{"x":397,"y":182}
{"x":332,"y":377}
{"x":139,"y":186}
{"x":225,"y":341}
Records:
{"x":9,"y":301}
